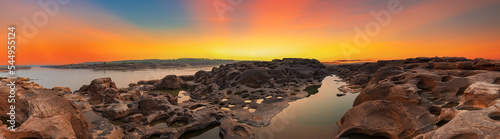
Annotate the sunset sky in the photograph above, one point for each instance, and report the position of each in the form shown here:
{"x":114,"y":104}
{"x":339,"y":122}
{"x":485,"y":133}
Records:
{"x":108,"y":30}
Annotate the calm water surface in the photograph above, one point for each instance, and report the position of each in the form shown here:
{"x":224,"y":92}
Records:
{"x":311,"y":117}
{"x":75,"y":78}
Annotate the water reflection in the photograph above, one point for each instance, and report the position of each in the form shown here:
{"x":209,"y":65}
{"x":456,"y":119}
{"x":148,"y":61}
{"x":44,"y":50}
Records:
{"x":312,"y":117}
{"x":75,"y":78}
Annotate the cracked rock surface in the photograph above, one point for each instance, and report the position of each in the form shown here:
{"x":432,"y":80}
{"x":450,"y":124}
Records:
{"x":41,"y":112}
{"x":424,"y":98}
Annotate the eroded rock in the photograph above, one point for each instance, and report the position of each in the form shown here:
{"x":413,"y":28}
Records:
{"x":42,"y":113}
{"x":423,"y":98}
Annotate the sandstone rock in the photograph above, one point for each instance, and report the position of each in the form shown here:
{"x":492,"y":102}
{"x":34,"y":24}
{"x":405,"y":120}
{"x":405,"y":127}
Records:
{"x":480,"y":124}
{"x":132,"y":84}
{"x":134,"y":117}
{"x":150,"y":82}
{"x":254,"y":77}
{"x":118,"y":110}
{"x":43,"y":113}
{"x":155,"y":101}
{"x":63,"y":89}
{"x":481,"y":95}
{"x":423,"y":98}
{"x":169,"y":82}
{"x":384,"y":118}
{"x":233,"y":130}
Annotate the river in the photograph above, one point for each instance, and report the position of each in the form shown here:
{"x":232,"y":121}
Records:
{"x":311,"y":117}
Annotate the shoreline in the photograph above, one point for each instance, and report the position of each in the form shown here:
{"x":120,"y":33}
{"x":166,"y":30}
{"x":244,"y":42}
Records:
{"x":446,"y":92}
{"x":139,"y":104}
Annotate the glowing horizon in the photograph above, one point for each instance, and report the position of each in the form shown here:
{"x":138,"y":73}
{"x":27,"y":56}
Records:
{"x":90,"y":31}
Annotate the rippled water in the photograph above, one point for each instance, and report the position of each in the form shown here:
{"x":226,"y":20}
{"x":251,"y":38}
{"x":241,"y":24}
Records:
{"x":311,"y":117}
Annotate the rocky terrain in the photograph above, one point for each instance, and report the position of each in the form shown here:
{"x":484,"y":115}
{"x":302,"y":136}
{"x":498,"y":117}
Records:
{"x":40,"y":112}
{"x":232,"y":96}
{"x":414,"y":98}
{"x":447,"y":98}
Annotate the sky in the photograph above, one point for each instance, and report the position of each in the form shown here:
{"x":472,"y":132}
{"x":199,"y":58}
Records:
{"x":69,"y":31}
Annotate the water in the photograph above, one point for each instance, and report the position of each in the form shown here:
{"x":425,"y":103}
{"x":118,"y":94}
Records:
{"x":311,"y":117}
{"x":75,"y":78}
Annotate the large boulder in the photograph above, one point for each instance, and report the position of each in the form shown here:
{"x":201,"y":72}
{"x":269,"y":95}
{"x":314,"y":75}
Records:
{"x":169,"y":82}
{"x":102,"y":90}
{"x":480,"y":124}
{"x":254,"y":77}
{"x":482,"y":95}
{"x":385,"y":118}
{"x":43,"y":113}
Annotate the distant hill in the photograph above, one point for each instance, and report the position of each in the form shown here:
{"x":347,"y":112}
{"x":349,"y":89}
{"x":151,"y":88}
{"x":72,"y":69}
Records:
{"x":146,"y":63}
{"x":190,"y":61}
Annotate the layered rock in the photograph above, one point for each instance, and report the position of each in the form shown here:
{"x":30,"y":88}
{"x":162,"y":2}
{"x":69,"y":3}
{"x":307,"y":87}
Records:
{"x":424,"y":98}
{"x":41,"y":113}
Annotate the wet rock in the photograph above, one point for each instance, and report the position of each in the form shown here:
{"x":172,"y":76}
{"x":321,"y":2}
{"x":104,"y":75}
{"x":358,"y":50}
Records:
{"x":385,"y":118}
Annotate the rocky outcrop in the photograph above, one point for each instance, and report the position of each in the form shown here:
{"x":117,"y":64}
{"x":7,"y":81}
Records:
{"x":145,"y":111}
{"x":169,"y":82}
{"x":233,"y":96}
{"x":424,"y":98}
{"x":41,"y":113}
{"x":256,"y":91}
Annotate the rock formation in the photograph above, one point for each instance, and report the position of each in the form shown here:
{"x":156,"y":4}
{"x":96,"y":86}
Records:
{"x":233,"y":96}
{"x":256,"y":91}
{"x":424,"y":98}
{"x":41,"y":112}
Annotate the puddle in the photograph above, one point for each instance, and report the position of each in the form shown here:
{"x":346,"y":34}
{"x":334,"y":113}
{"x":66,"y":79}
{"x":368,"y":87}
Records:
{"x":179,"y":93}
{"x":313,"y":89}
